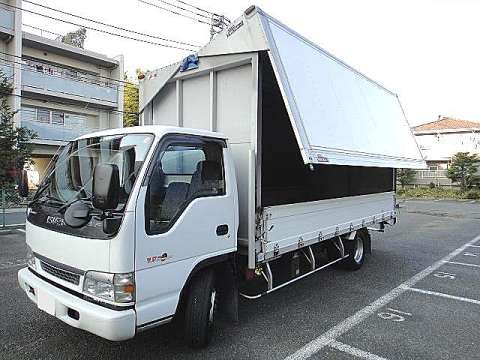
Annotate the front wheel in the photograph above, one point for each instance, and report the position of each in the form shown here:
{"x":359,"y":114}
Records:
{"x":355,"y":249}
{"x":200,"y":309}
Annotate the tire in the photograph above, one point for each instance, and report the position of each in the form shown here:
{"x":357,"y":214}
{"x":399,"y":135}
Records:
{"x":356,"y":250}
{"x":200,"y":309}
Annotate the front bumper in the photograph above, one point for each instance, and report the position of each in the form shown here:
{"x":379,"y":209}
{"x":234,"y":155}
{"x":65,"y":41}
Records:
{"x":115,"y":325}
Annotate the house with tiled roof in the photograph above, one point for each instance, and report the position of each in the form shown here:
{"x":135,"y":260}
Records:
{"x":439,"y":140}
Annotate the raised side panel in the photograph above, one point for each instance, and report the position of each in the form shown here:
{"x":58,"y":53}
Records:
{"x":289,"y":227}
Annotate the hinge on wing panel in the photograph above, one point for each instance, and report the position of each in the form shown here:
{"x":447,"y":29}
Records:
{"x":320,"y":236}
{"x":351,"y":227}
{"x":300,"y":242}
{"x":276,"y":250}
{"x":337,"y":231}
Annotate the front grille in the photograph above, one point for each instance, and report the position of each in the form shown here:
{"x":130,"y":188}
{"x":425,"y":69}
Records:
{"x":60,"y":273}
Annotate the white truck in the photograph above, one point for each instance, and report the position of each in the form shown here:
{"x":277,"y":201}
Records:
{"x":261,"y":159}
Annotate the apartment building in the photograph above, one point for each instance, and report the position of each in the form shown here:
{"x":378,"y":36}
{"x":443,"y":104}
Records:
{"x":60,"y":91}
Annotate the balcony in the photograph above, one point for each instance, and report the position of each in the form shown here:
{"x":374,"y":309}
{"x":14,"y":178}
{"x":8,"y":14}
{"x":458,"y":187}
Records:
{"x":54,"y":125}
{"x":7,"y":21}
{"x":54,"y":81}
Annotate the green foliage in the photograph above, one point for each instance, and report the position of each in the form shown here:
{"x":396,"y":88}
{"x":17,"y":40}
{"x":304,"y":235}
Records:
{"x":438,"y":192}
{"x":405,"y":176}
{"x":15,"y":146}
{"x":75,"y":38}
{"x":463,"y":168}
{"x":472,"y":194}
{"x":431,"y":185}
{"x":130,"y":102}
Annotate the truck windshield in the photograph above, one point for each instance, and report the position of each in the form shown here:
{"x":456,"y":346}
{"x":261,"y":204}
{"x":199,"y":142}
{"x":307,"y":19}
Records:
{"x":70,"y":175}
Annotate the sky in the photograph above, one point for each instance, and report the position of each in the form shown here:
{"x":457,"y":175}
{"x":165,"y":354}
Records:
{"x":427,"y":51}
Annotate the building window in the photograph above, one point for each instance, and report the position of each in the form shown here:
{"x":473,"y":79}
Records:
{"x":58,"y":118}
{"x":43,"y":116}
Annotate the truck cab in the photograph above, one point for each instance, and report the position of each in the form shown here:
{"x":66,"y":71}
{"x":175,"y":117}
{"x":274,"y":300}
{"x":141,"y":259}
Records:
{"x":124,"y":222}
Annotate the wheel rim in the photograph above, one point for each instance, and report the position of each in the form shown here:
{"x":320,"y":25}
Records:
{"x":212,"y":307}
{"x":358,"y":255}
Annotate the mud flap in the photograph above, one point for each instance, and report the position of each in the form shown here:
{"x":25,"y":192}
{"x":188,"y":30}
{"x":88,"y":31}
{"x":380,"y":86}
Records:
{"x":228,"y":291}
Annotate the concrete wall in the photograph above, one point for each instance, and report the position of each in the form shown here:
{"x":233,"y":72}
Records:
{"x":13,"y":46}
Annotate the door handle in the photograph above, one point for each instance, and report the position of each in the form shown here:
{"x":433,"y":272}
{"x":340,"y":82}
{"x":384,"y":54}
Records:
{"x":222,"y":230}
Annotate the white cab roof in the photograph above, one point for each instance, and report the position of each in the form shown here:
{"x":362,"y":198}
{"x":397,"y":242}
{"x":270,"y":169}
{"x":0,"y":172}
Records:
{"x":157,"y":130}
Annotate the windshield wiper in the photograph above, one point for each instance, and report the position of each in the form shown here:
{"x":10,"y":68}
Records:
{"x":48,"y":198}
{"x":66,"y":205}
{"x":40,"y":191}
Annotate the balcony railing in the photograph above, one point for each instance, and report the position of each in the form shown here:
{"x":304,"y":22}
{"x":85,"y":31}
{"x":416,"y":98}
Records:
{"x":56,"y":132}
{"x":51,"y":124}
{"x":57,"y":81}
{"x":6,"y":20}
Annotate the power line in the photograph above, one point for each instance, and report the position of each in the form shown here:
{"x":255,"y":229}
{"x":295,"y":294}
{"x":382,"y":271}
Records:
{"x":174,"y":12}
{"x":108,"y":25}
{"x":99,"y":30}
{"x":196,"y":7}
{"x":41,"y":30}
{"x":81,"y":72}
{"x":184,"y":9}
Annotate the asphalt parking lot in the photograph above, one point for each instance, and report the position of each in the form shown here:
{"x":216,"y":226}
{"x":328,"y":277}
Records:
{"x":417,"y":297}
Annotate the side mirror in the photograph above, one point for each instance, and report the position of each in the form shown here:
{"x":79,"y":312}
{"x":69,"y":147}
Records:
{"x":106,"y":187}
{"x":23,"y":184}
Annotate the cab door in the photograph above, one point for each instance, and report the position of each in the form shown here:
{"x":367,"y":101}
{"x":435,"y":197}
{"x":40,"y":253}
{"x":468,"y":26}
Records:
{"x":185,"y":214}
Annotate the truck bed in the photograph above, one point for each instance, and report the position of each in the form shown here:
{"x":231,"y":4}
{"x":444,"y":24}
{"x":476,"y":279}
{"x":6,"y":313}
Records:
{"x":284,"y":228}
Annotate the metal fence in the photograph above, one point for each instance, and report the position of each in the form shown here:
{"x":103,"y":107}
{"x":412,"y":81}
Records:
{"x":432,"y":174}
{"x":12,"y":208}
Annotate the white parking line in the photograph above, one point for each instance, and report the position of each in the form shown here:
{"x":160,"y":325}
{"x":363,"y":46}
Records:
{"x":475,"y":246}
{"x":11,"y":264}
{"x":341,"y":328}
{"x":21,"y":230}
{"x":354,"y":351}
{"x":463,"y":264}
{"x":435,"y":293}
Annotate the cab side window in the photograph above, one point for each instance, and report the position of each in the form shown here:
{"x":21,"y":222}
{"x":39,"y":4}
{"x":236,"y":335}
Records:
{"x":182,"y":172}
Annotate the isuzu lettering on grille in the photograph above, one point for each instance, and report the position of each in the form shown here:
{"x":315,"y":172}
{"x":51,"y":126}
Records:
{"x":55,"y":220}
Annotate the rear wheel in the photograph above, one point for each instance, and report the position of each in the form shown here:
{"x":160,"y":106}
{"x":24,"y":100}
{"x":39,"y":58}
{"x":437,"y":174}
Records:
{"x":355,"y":249}
{"x":200,"y":309}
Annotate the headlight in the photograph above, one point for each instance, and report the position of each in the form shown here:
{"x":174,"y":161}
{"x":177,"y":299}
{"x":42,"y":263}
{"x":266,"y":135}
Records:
{"x":112,"y":287}
{"x":31,"y":258}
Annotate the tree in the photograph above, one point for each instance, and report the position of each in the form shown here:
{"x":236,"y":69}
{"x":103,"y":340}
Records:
{"x":130,"y":101}
{"x":75,"y":38}
{"x":463,"y":168}
{"x":15,"y":145}
{"x":405,"y":176}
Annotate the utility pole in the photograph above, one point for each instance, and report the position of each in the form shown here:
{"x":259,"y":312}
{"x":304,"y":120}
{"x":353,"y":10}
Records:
{"x":219,"y":22}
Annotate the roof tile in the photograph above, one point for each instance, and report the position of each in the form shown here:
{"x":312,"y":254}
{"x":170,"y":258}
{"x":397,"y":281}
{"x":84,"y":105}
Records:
{"x":446,"y":123}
